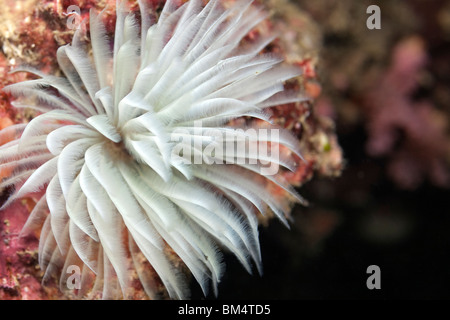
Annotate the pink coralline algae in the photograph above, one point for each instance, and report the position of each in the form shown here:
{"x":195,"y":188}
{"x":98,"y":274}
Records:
{"x":411,"y":132}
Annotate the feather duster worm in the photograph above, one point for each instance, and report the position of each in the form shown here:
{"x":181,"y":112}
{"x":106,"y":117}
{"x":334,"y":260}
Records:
{"x":113,"y":152}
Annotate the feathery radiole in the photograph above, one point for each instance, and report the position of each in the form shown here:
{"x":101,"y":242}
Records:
{"x":116,"y":197}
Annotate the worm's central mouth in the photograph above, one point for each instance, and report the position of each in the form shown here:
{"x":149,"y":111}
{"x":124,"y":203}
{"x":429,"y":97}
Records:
{"x":117,"y":150}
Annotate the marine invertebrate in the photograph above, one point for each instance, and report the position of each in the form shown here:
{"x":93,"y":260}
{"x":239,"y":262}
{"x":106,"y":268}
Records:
{"x":112,"y":155}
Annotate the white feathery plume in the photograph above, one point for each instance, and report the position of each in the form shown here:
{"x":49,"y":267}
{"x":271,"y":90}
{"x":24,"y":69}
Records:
{"x":106,"y":148}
